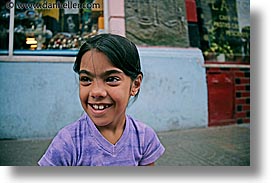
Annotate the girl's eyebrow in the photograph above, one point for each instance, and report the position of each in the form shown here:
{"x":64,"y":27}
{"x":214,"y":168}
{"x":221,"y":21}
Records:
{"x":113,"y":71}
{"x":106,"y":73}
{"x":86,"y":72}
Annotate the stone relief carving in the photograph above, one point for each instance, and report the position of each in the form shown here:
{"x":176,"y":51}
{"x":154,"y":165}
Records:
{"x":156,"y":23}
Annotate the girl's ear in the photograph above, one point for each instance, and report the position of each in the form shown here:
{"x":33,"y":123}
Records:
{"x":136,"y":85}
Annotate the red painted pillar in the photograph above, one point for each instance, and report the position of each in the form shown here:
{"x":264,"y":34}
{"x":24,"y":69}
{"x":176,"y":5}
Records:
{"x":221,"y":97}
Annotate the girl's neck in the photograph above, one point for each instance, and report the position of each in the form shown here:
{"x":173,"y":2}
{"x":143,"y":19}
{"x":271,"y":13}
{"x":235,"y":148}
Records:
{"x":112,"y":132}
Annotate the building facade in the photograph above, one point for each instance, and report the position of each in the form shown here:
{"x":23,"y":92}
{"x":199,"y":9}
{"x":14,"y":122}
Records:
{"x":195,"y":57}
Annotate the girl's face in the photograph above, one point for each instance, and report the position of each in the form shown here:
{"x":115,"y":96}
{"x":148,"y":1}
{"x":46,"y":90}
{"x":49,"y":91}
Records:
{"x":104,"y":90}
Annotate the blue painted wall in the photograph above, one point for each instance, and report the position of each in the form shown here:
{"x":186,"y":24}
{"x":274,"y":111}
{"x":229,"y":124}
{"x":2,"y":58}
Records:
{"x":39,"y":98}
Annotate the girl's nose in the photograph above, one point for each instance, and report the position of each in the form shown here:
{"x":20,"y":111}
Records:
{"x":97,"y":91}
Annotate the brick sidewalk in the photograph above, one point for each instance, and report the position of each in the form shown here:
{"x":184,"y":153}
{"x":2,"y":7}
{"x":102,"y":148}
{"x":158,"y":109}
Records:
{"x":214,"y":146}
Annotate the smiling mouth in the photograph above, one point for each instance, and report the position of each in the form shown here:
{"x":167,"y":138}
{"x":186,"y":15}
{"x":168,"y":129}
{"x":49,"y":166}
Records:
{"x":100,"y":106}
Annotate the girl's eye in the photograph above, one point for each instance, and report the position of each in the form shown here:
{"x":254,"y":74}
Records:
{"x":85,"y":80}
{"x":112,"y":79}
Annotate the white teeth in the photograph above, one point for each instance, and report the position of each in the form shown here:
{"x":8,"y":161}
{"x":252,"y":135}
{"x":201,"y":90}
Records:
{"x":95,"y":107}
{"x":100,"y":107}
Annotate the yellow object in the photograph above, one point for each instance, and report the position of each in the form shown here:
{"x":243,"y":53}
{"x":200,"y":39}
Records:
{"x":31,"y":41}
{"x":100,"y":22}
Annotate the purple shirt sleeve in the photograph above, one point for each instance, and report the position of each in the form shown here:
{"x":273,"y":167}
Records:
{"x":153,"y":149}
{"x":60,"y":152}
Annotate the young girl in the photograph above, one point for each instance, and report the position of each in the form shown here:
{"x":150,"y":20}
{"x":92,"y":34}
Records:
{"x":109,"y":75}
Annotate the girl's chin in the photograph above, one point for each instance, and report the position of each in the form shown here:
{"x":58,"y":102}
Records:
{"x":100,"y":121}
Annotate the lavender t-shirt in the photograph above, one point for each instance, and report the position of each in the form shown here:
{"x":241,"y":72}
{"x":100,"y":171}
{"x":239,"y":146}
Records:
{"x":81,"y":144}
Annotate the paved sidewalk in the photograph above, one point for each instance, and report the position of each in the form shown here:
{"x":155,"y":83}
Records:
{"x":213,"y":146}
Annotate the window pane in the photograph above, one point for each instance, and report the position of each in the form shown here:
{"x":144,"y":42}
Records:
{"x":4,"y":28}
{"x":56,"y":24}
{"x":225,"y":30}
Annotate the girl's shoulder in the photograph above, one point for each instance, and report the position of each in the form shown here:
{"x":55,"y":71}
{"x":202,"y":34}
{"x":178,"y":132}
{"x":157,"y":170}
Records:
{"x":139,"y":127}
{"x":76,"y":128}
{"x":147,"y":140}
{"x":78,"y":123}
